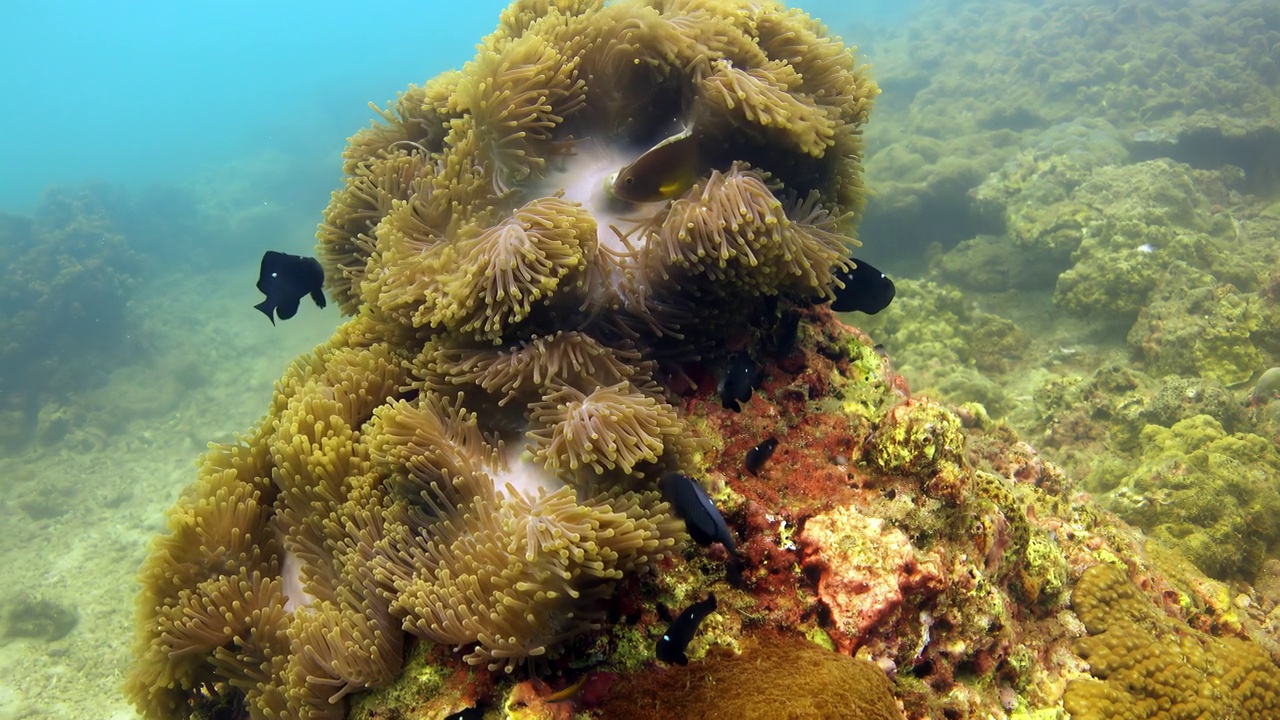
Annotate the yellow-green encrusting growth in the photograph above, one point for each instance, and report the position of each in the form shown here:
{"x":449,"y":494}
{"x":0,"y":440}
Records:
{"x":923,"y":439}
{"x":1147,"y":666}
{"x":1034,"y":565}
{"x":1198,"y":489}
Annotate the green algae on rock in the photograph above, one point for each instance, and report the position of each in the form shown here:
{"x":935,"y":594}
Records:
{"x":934,"y":333}
{"x":1142,"y":225}
{"x":69,"y":273}
{"x":1199,"y":489}
{"x":1023,"y":69}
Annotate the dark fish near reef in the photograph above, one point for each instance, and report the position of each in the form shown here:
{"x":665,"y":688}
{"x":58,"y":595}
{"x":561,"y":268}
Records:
{"x":471,"y":713}
{"x":285,"y":279}
{"x":661,"y":173}
{"x":702,"y":519}
{"x":681,"y":630}
{"x":866,"y":289}
{"x":759,"y":455}
{"x":779,"y":328}
{"x":787,"y":331}
{"x":740,"y":378}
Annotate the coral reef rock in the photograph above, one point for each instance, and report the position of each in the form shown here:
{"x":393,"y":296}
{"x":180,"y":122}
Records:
{"x":69,"y":274}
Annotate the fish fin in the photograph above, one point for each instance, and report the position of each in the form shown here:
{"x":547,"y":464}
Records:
{"x":733,"y":573}
{"x":727,"y":540}
{"x":317,"y":296}
{"x":265,"y":308}
{"x":287,"y":307}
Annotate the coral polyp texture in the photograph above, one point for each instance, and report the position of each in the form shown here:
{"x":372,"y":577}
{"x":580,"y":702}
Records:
{"x":1146,"y":667}
{"x":473,"y":459}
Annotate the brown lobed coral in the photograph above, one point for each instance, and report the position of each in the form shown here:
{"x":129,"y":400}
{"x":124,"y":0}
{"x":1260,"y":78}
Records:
{"x":819,"y":683}
{"x":473,"y":458}
{"x":1146,"y":666}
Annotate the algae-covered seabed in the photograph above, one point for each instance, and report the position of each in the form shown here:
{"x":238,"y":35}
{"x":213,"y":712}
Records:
{"x":79,"y":515}
{"x":1058,"y":261}
{"x":1082,"y":203}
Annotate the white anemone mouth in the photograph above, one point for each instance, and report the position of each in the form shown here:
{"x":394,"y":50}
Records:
{"x":582,"y":178}
{"x":295,"y":591}
{"x":521,"y":473}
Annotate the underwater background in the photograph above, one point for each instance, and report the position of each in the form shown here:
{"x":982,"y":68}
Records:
{"x":1079,"y":202}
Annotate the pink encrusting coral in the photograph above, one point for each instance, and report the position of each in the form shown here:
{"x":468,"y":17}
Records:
{"x":865,"y":569}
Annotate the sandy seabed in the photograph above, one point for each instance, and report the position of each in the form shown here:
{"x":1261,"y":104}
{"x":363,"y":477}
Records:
{"x":79,"y":513}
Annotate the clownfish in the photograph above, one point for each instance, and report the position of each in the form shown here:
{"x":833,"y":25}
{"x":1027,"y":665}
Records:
{"x":662,"y":172}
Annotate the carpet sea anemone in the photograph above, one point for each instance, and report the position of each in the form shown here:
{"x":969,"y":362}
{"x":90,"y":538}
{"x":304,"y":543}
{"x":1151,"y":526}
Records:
{"x":473,"y":458}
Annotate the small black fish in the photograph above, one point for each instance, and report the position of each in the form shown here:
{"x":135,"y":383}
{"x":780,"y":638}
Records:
{"x":787,"y":332}
{"x":285,"y":279}
{"x":741,"y":376}
{"x":682,"y":629}
{"x":471,"y":713}
{"x":702,"y":519}
{"x":759,"y":455}
{"x":866,"y":289}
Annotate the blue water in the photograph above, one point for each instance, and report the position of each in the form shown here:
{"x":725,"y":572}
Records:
{"x":143,"y":92}
{"x":149,"y":91}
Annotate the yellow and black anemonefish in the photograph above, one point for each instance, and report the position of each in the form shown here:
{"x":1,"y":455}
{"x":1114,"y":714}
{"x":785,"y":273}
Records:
{"x":662,"y":172}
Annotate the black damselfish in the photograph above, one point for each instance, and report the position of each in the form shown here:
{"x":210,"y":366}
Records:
{"x":702,"y":519}
{"x":471,"y":713}
{"x":741,"y":376}
{"x":788,"y":330}
{"x":759,"y":455}
{"x":285,"y":279}
{"x":681,"y":630}
{"x":866,"y":289}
